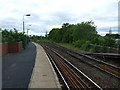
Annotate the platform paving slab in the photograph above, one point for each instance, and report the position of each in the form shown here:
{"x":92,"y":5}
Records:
{"x":43,"y":76}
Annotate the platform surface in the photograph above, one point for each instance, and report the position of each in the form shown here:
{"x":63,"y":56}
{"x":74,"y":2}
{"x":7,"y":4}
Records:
{"x":43,"y":75}
{"x":17,"y":68}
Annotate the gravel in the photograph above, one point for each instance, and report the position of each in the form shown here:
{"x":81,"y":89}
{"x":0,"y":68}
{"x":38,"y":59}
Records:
{"x":101,"y":78}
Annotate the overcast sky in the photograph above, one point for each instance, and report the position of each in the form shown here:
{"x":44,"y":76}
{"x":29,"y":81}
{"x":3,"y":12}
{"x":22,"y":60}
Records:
{"x":48,"y":14}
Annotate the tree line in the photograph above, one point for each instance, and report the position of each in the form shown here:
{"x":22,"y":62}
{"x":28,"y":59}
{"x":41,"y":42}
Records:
{"x":12,"y":36}
{"x":80,"y":34}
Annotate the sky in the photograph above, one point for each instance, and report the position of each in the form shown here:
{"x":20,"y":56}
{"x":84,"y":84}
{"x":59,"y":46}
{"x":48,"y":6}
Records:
{"x":48,"y":14}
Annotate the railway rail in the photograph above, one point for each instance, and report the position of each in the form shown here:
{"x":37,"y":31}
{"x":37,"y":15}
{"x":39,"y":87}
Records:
{"x":71,"y":75}
{"x":105,"y":55}
{"x":100,"y":73}
{"x":114,"y":59}
{"x":104,"y":66}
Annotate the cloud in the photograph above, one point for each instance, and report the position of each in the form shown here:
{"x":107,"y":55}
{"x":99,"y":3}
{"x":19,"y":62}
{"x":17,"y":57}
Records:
{"x":47,"y":14}
{"x":105,"y":30}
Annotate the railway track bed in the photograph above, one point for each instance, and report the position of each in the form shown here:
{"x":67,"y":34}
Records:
{"x":110,"y":58}
{"x":98,"y":76}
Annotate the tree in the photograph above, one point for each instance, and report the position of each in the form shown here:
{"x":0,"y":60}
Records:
{"x":14,"y":36}
{"x":70,"y":33}
{"x":55,"y":35}
{"x":85,"y":31}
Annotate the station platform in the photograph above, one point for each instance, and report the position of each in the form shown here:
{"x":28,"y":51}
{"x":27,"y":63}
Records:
{"x":43,"y":75}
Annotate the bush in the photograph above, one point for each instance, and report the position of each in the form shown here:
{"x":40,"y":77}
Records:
{"x":78,"y":43}
{"x":85,"y":46}
{"x":109,"y":41}
{"x":14,"y":36}
{"x":98,"y":49}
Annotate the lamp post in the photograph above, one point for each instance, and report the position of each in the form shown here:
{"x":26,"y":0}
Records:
{"x":23,"y":22}
{"x":28,"y":29}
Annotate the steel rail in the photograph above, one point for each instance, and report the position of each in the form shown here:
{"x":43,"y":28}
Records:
{"x":77,"y":69}
{"x":93,"y":59}
{"x":95,"y":66}
{"x":89,"y":57}
{"x":59,"y":71}
{"x":74,"y":79}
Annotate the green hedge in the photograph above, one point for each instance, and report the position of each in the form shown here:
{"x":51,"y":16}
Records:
{"x":14,"y":36}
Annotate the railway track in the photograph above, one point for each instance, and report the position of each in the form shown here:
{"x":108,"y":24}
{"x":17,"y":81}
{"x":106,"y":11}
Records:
{"x":101,"y":75}
{"x":114,"y":59}
{"x":71,"y":75}
{"x":104,"y":66}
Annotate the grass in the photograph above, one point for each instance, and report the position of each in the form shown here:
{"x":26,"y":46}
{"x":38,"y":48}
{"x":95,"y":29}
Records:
{"x":62,"y":44}
{"x":68,"y":46}
{"x":43,"y":40}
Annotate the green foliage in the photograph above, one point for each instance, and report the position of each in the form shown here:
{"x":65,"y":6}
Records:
{"x":109,"y":41}
{"x":78,"y":43}
{"x":14,"y":36}
{"x":69,"y":46}
{"x":5,"y":34}
{"x":55,"y":34}
{"x":39,"y":38}
{"x":84,"y":31}
{"x":35,"y":38}
{"x":70,"y":33}
{"x":116,"y":36}
{"x":11,"y":36}
{"x":85,"y":46}
{"x":81,"y":35}
{"x":104,"y":41}
{"x":98,"y":49}
{"x":0,"y":35}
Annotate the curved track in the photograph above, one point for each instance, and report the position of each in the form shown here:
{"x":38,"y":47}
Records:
{"x":72,"y":76}
{"x":100,"y":72}
{"x":104,"y":66}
